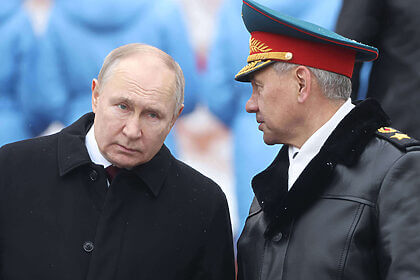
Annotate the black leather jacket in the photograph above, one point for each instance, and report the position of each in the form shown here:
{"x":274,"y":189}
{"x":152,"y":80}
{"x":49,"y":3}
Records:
{"x":354,"y":212}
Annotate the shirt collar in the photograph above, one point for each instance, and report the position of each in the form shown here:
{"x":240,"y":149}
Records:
{"x":313,"y":145}
{"x":152,"y":173}
{"x":72,"y":153}
{"x":93,"y":149}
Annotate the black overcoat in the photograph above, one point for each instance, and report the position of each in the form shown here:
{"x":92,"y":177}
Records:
{"x":58,"y":219}
{"x":353,"y":213}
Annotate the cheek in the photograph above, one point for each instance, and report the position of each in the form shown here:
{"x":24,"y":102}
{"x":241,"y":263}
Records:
{"x":111,"y":129}
{"x":159,"y":133}
{"x":160,"y":130}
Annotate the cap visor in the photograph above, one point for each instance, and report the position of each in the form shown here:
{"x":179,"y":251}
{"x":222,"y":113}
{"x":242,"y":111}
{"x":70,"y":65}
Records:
{"x":245,"y":73}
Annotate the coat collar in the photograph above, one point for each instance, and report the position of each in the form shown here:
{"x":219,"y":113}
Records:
{"x":72,"y":153}
{"x":343,"y":146}
{"x":154,"y":172}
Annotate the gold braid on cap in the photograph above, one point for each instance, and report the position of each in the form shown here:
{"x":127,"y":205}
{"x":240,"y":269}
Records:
{"x":262,"y":55}
{"x":263,"y":52}
{"x":273,"y":55}
{"x":251,"y":66}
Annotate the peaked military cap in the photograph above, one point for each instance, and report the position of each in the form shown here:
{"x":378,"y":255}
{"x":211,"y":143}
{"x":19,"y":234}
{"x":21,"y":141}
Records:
{"x":279,"y":37}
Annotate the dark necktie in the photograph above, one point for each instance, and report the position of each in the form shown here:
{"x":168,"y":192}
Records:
{"x":295,"y":154}
{"x":111,"y":172}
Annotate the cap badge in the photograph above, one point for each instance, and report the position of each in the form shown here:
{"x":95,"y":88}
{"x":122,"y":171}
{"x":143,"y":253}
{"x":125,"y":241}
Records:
{"x":256,"y":46}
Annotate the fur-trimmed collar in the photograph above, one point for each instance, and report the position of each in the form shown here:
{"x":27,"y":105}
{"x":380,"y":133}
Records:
{"x":343,"y":146}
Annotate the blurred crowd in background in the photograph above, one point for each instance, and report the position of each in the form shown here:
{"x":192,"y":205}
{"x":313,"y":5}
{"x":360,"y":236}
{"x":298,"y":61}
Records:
{"x":50,"y":50}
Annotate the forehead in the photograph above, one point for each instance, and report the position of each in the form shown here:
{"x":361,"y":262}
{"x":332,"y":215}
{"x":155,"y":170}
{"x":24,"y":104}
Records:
{"x":263,"y":74}
{"x":142,"y":82}
{"x":143,"y":73}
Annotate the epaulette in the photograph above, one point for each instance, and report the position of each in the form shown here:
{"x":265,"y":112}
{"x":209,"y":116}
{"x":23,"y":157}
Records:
{"x":401,"y":140}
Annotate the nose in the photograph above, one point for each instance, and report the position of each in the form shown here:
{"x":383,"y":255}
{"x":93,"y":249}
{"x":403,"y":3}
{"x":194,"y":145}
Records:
{"x":132,"y":128}
{"x":251,"y":105}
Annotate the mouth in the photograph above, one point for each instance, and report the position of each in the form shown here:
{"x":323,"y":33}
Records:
{"x":126,"y":149}
{"x":261,"y":122}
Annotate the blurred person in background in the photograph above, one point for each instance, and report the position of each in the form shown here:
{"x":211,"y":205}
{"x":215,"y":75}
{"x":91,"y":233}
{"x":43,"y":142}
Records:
{"x":104,"y":198}
{"x":394,"y":80}
{"x":17,"y":38}
{"x":78,"y":35}
{"x":225,"y":97}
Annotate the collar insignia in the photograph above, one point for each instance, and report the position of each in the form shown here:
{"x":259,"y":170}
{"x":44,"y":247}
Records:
{"x":397,"y":138}
{"x":400,"y":136}
{"x":387,"y":130}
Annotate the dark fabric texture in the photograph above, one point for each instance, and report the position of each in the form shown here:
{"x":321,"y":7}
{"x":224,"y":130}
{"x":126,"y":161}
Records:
{"x":111,"y":172}
{"x":59,"y":220}
{"x":351,"y":214}
{"x":394,"y":28}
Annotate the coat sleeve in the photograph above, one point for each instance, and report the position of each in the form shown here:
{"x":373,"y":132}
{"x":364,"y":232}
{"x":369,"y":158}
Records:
{"x":217,"y":258}
{"x":399,"y":220}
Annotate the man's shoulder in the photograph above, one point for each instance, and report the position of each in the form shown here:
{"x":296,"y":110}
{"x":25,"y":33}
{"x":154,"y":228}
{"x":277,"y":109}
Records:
{"x":28,"y":153}
{"x":398,"y":139}
{"x":389,"y":146}
{"x":193,"y":178}
{"x":32,"y":144}
{"x":185,"y":171}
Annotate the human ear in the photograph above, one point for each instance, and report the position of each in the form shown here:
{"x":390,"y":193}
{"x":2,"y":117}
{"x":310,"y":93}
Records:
{"x":303,"y":77}
{"x":95,"y":94}
{"x":177,"y":115}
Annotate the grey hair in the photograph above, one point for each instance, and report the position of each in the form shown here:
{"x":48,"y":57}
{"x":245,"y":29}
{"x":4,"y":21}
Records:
{"x":117,"y":54}
{"x":334,"y":86}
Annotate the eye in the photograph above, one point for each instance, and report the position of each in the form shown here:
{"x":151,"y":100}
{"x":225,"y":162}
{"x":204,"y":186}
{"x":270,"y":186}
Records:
{"x":153,"y":115}
{"x":257,"y":86}
{"x":122,"y":106}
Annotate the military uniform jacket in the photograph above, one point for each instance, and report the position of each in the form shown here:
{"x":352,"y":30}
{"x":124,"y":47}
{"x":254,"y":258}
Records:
{"x":354,"y":212}
{"x":59,"y":220}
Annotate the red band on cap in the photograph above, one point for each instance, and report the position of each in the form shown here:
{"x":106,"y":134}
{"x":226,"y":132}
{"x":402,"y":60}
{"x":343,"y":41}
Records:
{"x":327,"y":57}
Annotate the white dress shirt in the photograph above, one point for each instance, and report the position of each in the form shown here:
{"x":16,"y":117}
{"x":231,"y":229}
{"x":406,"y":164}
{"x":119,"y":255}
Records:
{"x":313,"y":145}
{"x":93,"y":150}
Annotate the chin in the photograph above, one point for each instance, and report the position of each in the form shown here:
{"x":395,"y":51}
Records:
{"x":123,"y":162}
{"x":269,"y":141}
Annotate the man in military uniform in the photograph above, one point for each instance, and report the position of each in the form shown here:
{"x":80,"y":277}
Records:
{"x":341,"y":199}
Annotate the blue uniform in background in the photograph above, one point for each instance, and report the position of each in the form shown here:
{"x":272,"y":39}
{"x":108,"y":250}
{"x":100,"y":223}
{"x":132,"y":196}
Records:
{"x":16,"y":39}
{"x":226,"y":98}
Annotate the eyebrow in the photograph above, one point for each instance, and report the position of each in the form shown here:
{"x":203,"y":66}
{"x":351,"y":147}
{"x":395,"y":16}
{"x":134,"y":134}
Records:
{"x":256,"y":81}
{"x":122,"y":99}
{"x":148,"y":107}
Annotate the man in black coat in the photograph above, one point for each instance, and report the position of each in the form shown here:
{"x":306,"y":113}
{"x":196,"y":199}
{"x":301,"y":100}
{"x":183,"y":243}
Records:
{"x":104,"y":198}
{"x":341,"y":199}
